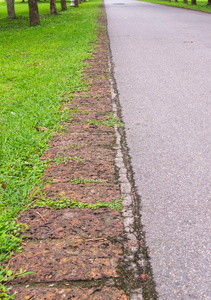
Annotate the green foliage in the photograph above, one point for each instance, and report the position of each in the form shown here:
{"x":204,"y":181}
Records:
{"x":39,"y":67}
{"x":109,"y":120}
{"x":63,"y":202}
{"x":5,"y":276}
{"x":82,"y":180}
{"x":76,"y":146}
{"x":10,"y":238}
{"x":64,"y":159}
{"x":202,"y":5}
{"x":67,"y":115}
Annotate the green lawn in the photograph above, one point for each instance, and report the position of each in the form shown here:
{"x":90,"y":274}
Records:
{"x":201,"y":4}
{"x":38,"y":66}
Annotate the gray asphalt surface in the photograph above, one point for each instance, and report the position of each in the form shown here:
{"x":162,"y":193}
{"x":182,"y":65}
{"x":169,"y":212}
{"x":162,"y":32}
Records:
{"x":162,"y":58}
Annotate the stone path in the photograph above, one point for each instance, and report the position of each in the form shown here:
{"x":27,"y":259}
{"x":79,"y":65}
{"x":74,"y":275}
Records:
{"x":79,"y":252}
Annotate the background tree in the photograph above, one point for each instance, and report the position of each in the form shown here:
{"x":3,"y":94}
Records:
{"x":76,"y":3}
{"x":53,"y":9}
{"x":185,"y":1}
{"x":11,"y":9}
{"x":209,"y":2}
{"x":193,"y":2}
{"x":33,"y":13}
{"x":63,"y":4}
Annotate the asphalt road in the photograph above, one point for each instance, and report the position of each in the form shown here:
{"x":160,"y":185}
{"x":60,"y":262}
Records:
{"x":162,"y":58}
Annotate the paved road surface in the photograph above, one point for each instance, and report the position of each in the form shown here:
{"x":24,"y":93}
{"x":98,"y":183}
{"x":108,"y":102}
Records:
{"x":162,"y":59}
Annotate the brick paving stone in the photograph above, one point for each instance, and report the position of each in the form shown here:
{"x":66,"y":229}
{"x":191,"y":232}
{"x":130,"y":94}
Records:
{"x":88,"y":153}
{"x":85,"y":169}
{"x":65,"y":260}
{"x":74,"y":224}
{"x":81,"y":139}
{"x":106,"y":293}
{"x":71,"y":250}
{"x":87,"y":193}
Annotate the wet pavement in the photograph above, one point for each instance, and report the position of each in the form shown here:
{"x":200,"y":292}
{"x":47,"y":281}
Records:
{"x":162,"y":59}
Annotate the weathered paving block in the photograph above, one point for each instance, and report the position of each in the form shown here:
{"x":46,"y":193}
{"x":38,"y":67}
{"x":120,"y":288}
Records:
{"x":104,"y":171}
{"x":92,"y":105}
{"x":74,"y":224}
{"x":103,"y":95}
{"x":105,"y":293}
{"x":90,"y":153}
{"x":89,"y":128}
{"x":82,"y":139}
{"x":87,"y":193}
{"x":64,"y":260}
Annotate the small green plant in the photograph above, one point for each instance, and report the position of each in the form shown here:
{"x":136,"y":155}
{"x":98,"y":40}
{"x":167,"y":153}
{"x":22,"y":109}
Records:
{"x":84,"y":95}
{"x":67,"y":116}
{"x":71,"y":146}
{"x":109,"y":120}
{"x":82,"y":180}
{"x":5,"y":276}
{"x":64,"y":159}
{"x":75,"y":146}
{"x":98,"y":96}
{"x":63,"y":202}
{"x":77,"y":158}
{"x":10,"y":238}
{"x":85,"y":112}
{"x":60,"y":127}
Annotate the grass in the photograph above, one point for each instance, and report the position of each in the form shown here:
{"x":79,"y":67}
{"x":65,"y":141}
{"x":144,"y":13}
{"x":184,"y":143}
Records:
{"x":201,"y":4}
{"x":38,"y":66}
{"x":61,"y":203}
{"x":110,"y":121}
{"x":82,"y":180}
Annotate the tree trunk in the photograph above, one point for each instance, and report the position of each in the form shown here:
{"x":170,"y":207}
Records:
{"x":185,"y":1}
{"x":209,"y":2}
{"x":193,"y":2}
{"x":53,"y":7}
{"x":63,"y":4}
{"x":176,"y":1}
{"x":11,"y":9}
{"x":33,"y":13}
{"x":76,"y":3}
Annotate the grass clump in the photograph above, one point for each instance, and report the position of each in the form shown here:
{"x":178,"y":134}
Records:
{"x":38,"y":66}
{"x":65,"y":159}
{"x":110,"y":121}
{"x":63,"y":202}
{"x":82,"y":180}
{"x":202,"y":5}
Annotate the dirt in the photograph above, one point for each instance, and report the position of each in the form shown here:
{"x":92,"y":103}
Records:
{"x":77,"y":253}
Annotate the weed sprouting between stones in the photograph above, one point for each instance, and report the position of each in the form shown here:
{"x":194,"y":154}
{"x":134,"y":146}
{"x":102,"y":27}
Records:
{"x":82,"y":180}
{"x":63,"y":202}
{"x":109,"y":120}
